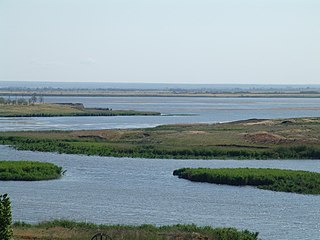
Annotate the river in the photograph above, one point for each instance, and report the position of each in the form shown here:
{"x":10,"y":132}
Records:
{"x":174,"y":110}
{"x":137,"y":191}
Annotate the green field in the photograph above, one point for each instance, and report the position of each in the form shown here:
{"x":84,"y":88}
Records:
{"x":250,"y":139}
{"x":59,"y":110}
{"x":63,"y":230}
{"x":264,"y":178}
{"x":28,"y":171}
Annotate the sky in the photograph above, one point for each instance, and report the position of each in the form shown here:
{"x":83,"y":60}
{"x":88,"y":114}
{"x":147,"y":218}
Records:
{"x":161,"y":41}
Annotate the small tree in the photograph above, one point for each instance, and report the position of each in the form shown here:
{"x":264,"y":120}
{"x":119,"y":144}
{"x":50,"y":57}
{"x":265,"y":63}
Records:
{"x":2,"y":100}
{"x":41,"y":99}
{"x":5,"y":218}
{"x":33,"y":98}
{"x":22,"y":101}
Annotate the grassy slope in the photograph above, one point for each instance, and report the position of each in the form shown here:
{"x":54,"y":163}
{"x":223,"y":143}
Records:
{"x":28,"y":171}
{"x":51,"y":110}
{"x":250,"y":139}
{"x":269,"y":179}
{"x":62,"y":229}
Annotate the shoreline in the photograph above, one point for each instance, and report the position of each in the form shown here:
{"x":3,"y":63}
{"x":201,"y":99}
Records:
{"x":164,"y":94}
{"x":67,"y":229}
{"x":295,"y":138}
{"x":273,"y":179}
{"x":64,"y":110}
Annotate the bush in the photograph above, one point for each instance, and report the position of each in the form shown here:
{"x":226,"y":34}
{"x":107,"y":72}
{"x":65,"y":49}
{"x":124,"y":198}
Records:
{"x":5,"y":218}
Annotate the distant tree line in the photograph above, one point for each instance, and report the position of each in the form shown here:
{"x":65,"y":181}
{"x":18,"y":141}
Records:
{"x":22,"y":101}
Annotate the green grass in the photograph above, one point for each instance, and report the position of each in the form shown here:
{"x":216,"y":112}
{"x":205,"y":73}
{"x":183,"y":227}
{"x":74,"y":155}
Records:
{"x":264,"y":178}
{"x":60,"y":110}
{"x":250,"y":139}
{"x":28,"y":171}
{"x":64,"y":229}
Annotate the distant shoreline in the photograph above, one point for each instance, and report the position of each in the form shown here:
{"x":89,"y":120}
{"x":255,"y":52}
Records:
{"x":134,"y":93}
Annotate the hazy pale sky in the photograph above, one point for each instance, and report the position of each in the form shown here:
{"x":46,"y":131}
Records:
{"x":169,"y":41}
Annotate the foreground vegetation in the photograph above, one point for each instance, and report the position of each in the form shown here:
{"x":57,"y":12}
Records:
{"x":5,"y":218}
{"x":263,"y":178}
{"x":250,"y":139}
{"x":57,"y":110}
{"x":63,"y":229}
{"x":28,"y":171}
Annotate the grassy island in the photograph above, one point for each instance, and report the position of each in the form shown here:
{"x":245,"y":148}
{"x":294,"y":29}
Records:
{"x":63,"y":230}
{"x":63,"y":110}
{"x":28,"y":171}
{"x":297,"y":138}
{"x":264,"y":178}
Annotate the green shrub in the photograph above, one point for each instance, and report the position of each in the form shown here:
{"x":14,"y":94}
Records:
{"x":5,"y":218}
{"x":263,"y":178}
{"x":28,"y":171}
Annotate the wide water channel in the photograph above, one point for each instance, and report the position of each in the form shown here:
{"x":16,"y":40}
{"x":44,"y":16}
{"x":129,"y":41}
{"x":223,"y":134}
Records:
{"x":137,"y":191}
{"x":175,"y":110}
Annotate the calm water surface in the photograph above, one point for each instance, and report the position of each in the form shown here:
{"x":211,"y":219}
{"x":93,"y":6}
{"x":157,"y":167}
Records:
{"x":204,"y":110}
{"x":136,"y":191}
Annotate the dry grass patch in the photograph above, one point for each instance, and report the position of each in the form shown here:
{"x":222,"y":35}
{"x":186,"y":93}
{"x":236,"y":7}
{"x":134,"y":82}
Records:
{"x":264,"y":137}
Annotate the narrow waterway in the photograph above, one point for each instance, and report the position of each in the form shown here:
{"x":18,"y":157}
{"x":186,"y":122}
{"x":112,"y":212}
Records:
{"x":137,"y":191}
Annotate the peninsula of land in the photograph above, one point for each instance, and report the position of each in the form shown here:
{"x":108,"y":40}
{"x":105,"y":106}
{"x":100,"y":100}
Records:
{"x":63,"y":110}
{"x":296,"y":138}
{"x":279,"y":180}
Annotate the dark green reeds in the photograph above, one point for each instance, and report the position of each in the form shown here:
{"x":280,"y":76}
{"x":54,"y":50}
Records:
{"x":28,"y":171}
{"x":118,"y":149}
{"x":264,"y":178}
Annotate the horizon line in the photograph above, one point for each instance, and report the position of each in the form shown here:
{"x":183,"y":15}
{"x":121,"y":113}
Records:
{"x":100,"y":82}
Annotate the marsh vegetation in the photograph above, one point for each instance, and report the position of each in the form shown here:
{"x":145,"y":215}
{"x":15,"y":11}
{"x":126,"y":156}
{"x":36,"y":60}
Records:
{"x":264,"y":178}
{"x":28,"y":171}
{"x":249,"y":139}
{"x":63,"y":229}
{"x":60,"y":110}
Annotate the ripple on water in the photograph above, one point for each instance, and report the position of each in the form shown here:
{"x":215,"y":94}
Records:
{"x":136,"y":191}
